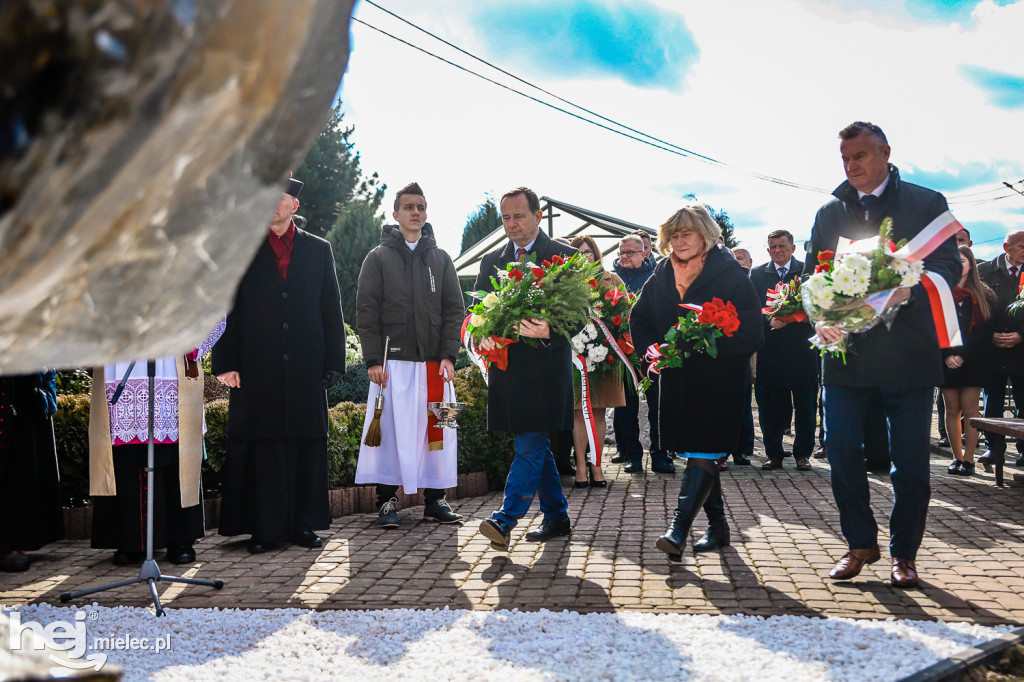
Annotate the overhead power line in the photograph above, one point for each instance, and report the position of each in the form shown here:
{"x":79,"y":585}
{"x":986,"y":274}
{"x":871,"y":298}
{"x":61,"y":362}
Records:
{"x":626,"y":131}
{"x":630,"y":132}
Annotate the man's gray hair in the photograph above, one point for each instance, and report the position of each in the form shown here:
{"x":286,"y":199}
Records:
{"x":1013,"y":235}
{"x":632,"y":238}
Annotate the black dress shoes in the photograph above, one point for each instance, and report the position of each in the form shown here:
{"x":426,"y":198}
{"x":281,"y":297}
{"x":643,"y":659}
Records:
{"x":497,"y":532}
{"x":256,"y":546}
{"x":943,"y":442}
{"x":308,"y":538}
{"x":124,"y":557}
{"x":550,"y":529}
{"x":741,"y":459}
{"x":183,"y":554}
{"x":15,"y":562}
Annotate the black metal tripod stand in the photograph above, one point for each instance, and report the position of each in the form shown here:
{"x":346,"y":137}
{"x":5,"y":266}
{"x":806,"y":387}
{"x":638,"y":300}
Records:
{"x":150,"y":572}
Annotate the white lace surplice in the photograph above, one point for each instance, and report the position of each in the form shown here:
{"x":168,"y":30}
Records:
{"x":129,"y":418}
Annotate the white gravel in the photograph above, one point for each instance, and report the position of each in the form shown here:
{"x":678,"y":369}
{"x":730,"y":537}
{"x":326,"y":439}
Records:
{"x":299,"y":644}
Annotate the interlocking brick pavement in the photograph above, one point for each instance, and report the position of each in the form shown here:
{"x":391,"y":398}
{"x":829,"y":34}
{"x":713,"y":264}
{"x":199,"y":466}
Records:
{"x":785,"y":538}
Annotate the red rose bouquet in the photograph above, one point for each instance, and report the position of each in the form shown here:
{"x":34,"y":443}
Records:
{"x":697,"y":331}
{"x":559,"y":291}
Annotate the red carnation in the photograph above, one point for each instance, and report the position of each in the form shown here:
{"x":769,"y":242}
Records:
{"x":537,"y":272}
{"x":611,"y":358}
{"x":515,"y":274}
{"x":617,"y":320}
{"x":546,"y":264}
{"x":823,"y":267}
{"x":593,"y":283}
{"x":557,"y":260}
{"x":826,"y":255}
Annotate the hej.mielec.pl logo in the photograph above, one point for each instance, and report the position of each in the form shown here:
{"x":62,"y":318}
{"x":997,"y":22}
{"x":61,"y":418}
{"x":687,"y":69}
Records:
{"x":72,"y":638}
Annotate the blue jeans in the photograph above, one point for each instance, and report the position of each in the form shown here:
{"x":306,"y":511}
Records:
{"x":533,"y":472}
{"x":909,"y":413}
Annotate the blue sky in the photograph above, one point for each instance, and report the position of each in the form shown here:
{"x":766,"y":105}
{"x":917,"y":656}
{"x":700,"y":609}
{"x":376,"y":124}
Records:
{"x":762,"y":86}
{"x":637,"y":42}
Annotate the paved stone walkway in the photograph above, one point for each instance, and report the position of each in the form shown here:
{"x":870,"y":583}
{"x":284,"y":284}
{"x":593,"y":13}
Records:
{"x":785,"y":538}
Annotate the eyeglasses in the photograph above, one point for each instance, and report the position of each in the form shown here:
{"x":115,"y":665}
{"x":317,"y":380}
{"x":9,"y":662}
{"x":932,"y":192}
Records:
{"x":586,"y":252}
{"x":629,"y":253}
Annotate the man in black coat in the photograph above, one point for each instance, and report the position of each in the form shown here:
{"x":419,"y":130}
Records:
{"x":1004,"y":275}
{"x":787,"y":364}
{"x":897,"y":367}
{"x":534,"y":395}
{"x":283,"y":345}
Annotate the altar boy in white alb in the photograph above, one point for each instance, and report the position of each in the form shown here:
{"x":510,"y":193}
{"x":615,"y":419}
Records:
{"x":409,"y":294}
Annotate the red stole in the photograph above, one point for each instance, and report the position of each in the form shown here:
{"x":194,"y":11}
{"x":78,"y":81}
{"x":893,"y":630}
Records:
{"x":435,"y":394}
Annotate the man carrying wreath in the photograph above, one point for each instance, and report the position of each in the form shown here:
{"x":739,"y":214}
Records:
{"x":896,"y":367}
{"x":534,"y":395}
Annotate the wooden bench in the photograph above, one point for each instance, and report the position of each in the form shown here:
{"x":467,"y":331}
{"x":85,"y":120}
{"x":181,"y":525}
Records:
{"x":1012,"y":428}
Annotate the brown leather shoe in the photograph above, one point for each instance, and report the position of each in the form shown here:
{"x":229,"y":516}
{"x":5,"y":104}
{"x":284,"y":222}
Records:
{"x":772,"y":464}
{"x":803,"y":464}
{"x":853,"y":561}
{"x":904,"y":572}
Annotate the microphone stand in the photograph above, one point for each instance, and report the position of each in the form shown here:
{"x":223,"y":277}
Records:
{"x":150,"y":571}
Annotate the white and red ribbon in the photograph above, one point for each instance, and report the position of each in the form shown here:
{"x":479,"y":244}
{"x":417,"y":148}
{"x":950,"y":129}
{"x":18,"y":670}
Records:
{"x":467,"y":341}
{"x":940,"y":297}
{"x":618,"y":351}
{"x":588,"y":410}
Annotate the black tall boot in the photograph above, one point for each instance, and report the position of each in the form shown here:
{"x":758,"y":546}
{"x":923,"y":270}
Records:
{"x":717,"y":534}
{"x":693,"y":491}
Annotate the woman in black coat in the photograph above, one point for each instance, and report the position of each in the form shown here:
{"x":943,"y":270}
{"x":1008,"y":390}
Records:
{"x":968,"y":367}
{"x":702,"y":406}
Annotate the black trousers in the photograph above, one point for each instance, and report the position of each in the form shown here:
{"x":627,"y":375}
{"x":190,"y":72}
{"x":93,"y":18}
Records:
{"x":775,"y":404}
{"x":746,"y":446}
{"x":119,"y":521}
{"x":386,"y":492}
{"x":626,"y":423}
{"x":995,"y":400}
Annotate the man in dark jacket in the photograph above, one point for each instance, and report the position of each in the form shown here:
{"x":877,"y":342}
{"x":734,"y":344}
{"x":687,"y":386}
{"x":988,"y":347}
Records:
{"x":534,"y":395}
{"x":283,"y":345}
{"x":897,"y":367}
{"x":634,"y":268}
{"x":787,"y":364}
{"x":1003,"y":274}
{"x":409,"y":294}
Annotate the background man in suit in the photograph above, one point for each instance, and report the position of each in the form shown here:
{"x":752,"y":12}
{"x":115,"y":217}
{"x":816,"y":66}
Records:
{"x":897,"y":368}
{"x":283,"y":345}
{"x":634,"y":268}
{"x":534,"y":395}
{"x":1003,"y":274}
{"x":787,"y":364}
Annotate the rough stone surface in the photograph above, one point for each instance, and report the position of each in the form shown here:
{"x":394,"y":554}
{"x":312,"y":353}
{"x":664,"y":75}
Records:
{"x":143,"y":147}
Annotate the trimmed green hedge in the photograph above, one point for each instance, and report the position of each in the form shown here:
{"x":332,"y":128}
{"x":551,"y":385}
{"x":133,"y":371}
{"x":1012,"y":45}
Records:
{"x":479,"y":449}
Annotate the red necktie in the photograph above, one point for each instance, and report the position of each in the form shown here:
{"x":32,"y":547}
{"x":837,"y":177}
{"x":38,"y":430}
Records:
{"x":520,"y":252}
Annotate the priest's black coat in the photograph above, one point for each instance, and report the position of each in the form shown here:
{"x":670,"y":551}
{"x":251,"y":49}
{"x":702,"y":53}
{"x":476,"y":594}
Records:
{"x":282,"y":337}
{"x":703,"y":403}
{"x":31,"y":506}
{"x":535,"y":392}
{"x":787,"y":357}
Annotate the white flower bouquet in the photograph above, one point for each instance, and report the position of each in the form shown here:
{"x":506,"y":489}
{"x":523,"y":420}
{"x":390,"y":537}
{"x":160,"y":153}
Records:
{"x":851,"y":289}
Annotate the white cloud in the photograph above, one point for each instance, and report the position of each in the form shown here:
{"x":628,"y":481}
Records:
{"x":774,"y":84}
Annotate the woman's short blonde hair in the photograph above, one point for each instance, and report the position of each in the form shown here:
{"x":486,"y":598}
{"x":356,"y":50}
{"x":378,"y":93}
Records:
{"x":691,"y":217}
